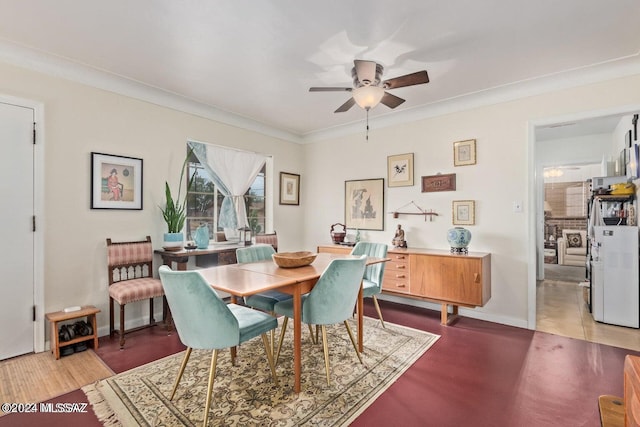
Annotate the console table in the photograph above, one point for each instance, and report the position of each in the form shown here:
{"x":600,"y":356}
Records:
{"x":435,"y":275}
{"x":213,"y":255}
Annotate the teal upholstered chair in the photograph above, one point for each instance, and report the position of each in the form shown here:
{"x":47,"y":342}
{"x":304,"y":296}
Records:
{"x":373,"y":274}
{"x":204,"y":321}
{"x":264,"y":301}
{"x":330,"y":301}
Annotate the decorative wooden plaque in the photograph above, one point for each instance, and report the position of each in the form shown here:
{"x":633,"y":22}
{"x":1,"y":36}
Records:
{"x":439,"y":183}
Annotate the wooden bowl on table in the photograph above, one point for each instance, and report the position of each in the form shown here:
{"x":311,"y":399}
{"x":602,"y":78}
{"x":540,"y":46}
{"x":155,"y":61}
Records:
{"x":293,"y":259}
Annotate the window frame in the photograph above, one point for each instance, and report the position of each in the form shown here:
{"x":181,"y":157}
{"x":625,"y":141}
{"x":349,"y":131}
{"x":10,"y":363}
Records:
{"x":264,"y":214}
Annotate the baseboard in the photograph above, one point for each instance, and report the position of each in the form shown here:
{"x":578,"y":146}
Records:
{"x":466,"y":312}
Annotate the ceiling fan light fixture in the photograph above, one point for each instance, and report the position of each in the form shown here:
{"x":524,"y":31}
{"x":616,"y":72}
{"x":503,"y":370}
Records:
{"x":368,"y":97}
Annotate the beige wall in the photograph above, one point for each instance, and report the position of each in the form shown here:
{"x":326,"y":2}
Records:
{"x":501,"y":177}
{"x":81,"y":119}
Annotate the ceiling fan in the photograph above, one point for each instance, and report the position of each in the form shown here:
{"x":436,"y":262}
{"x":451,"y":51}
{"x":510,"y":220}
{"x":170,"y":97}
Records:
{"x":369,"y":89}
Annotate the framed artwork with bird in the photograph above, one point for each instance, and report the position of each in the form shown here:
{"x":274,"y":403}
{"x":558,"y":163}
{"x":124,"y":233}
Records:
{"x":400,"y":170}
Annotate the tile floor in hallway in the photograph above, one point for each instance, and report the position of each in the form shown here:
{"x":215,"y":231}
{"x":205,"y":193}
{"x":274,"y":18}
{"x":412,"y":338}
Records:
{"x":562,"y":310}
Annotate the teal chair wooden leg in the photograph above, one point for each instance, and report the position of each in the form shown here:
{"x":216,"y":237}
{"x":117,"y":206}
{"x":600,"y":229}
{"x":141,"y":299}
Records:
{"x":325,"y":347}
{"x":272,"y":365}
{"x":284,"y":328}
{"x":353,"y":341}
{"x":212,"y":375}
{"x":313,"y":340}
{"x":325,"y":350}
{"x":375,"y":303}
{"x":185,"y":359}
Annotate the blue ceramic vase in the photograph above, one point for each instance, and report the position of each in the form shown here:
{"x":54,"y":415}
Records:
{"x":458,"y":238}
{"x":201,"y":236}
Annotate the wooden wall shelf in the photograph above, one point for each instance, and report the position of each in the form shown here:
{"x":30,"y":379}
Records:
{"x":424,"y":212}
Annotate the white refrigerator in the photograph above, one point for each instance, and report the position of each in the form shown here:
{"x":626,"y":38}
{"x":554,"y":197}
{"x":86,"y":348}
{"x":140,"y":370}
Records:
{"x":614,"y":270}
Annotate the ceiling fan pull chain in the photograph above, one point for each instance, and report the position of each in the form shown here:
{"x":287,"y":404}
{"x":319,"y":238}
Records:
{"x":367,"y":137}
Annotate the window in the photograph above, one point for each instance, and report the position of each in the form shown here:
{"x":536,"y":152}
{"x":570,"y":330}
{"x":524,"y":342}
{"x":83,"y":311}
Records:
{"x":204,"y":201}
{"x":576,"y":200}
{"x":567,"y":199}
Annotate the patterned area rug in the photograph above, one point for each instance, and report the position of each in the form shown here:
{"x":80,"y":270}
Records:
{"x":246,"y":395}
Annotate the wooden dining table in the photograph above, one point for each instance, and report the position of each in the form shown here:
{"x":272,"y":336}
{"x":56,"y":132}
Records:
{"x":241,"y":280}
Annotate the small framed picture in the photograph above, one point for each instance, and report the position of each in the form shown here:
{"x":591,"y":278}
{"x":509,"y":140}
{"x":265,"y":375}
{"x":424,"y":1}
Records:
{"x":464,"y":152}
{"x":400,"y":170}
{"x":289,"y":188}
{"x":116,"y":182}
{"x":464,"y":212}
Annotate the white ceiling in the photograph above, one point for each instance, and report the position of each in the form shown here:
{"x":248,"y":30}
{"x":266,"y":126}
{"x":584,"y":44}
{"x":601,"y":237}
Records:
{"x":577,"y":128}
{"x":252,"y":62}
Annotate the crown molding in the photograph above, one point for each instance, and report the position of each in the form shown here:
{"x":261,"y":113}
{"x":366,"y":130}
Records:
{"x":64,"y":68}
{"x":619,"y":68}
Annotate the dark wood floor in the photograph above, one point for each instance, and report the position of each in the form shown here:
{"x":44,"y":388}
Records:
{"x":478,"y":373}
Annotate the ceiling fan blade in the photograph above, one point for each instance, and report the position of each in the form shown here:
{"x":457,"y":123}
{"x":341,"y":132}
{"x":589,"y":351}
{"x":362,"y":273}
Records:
{"x":365,"y":71}
{"x":330,"y":89}
{"x":344,"y":107}
{"x":417,"y":78}
{"x":391,"y":101}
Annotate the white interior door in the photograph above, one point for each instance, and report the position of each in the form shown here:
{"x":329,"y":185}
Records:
{"x":17,"y":249}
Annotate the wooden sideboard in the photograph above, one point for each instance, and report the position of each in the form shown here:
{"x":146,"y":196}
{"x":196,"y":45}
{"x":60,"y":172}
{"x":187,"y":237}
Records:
{"x":435,"y":275}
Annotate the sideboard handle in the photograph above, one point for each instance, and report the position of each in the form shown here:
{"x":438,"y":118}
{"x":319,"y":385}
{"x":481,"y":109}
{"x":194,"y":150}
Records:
{"x":476,"y":277}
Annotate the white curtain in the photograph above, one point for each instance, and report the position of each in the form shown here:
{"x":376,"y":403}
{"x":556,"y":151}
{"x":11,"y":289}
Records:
{"x":233,"y":172}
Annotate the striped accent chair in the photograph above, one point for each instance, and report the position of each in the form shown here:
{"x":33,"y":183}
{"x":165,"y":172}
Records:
{"x":269,"y":239}
{"x":130,"y":280}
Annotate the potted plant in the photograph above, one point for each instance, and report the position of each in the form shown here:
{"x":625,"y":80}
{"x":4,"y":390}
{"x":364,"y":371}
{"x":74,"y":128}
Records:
{"x":175,"y":212}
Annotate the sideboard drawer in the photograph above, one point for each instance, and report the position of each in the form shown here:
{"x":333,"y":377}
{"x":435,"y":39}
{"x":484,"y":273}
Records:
{"x":396,"y":281}
{"x":396,"y":273}
{"x":398,"y":262}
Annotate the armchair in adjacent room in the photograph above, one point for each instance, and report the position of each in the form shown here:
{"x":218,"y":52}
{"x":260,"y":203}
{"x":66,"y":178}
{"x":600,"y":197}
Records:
{"x":572,"y":247}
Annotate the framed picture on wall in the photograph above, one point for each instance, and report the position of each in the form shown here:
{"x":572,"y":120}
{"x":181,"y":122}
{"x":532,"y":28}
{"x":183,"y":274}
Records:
{"x":464,"y":212}
{"x":464,"y":152}
{"x":364,"y":204}
{"x":400,"y":170}
{"x":116,"y":182}
{"x":622,"y":161}
{"x":289,"y":188}
{"x":633,"y":166}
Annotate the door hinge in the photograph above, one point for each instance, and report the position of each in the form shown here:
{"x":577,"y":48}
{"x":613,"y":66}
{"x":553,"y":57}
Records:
{"x":34,"y":313}
{"x":34,"y":133}
{"x":34,"y":223}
